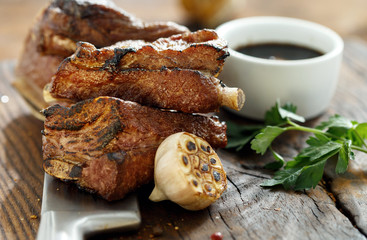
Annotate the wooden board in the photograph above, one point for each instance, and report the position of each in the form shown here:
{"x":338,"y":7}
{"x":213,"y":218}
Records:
{"x":21,"y":173}
{"x":336,"y":209}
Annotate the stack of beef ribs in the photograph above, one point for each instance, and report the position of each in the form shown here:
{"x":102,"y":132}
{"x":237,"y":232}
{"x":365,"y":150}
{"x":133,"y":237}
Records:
{"x":121,"y":87}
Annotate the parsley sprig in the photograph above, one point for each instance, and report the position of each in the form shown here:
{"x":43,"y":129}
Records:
{"x":338,"y":136}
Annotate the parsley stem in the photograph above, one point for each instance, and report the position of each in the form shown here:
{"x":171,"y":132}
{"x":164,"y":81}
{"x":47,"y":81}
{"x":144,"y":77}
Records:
{"x":361,"y":139}
{"x":295,"y":126}
{"x":304,"y":129}
{"x":359,"y":148}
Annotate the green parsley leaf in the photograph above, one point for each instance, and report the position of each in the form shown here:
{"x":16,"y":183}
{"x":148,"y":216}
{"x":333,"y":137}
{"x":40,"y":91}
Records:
{"x":345,"y":154}
{"x":361,"y":129}
{"x":289,"y":111}
{"x":278,"y":115}
{"x":279,"y":161}
{"x":336,"y":121}
{"x":273,"y":117}
{"x":300,"y":178}
{"x":263,"y":140}
{"x":310,"y":175}
{"x":341,"y":127}
{"x":317,"y":140}
{"x":317,"y":151}
{"x":240,"y":135}
{"x":358,"y":135}
{"x":302,"y":173}
{"x":286,"y":177}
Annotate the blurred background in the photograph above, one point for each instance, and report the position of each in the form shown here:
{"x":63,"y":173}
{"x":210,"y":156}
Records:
{"x":347,"y":17}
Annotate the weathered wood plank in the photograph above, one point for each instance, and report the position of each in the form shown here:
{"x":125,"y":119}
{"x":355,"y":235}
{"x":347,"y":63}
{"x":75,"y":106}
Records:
{"x":350,"y":189}
{"x":21,"y":173}
{"x":280,"y":214}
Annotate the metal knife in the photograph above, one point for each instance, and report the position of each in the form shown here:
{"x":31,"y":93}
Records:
{"x":68,"y":213}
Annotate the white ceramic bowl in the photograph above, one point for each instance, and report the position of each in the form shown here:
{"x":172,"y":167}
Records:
{"x":308,"y":83}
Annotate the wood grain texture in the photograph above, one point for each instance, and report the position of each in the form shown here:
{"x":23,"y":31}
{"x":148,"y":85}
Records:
{"x":21,"y":174}
{"x":336,"y":209}
{"x":350,"y":189}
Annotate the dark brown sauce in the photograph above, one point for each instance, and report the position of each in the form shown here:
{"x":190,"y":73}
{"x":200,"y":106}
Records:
{"x":279,"y":51}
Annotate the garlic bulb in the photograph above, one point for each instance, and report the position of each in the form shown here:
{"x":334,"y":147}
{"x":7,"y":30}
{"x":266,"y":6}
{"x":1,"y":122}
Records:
{"x":188,"y":172}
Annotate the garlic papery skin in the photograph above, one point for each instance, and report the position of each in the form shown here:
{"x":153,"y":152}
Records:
{"x":188,"y":172}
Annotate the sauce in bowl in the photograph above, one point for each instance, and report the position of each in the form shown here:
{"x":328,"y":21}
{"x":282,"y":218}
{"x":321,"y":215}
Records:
{"x":279,"y":51}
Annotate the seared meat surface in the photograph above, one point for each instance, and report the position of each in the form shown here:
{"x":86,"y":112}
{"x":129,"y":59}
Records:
{"x":107,"y":145}
{"x":201,"y":50}
{"x":101,"y":23}
{"x":161,"y":74}
{"x":179,"y":89}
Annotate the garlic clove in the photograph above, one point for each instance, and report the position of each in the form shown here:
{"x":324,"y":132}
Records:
{"x":187,"y":172}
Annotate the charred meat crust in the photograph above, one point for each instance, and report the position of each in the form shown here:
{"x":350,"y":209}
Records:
{"x":167,"y":73}
{"x":201,"y":50}
{"x":111,"y":64}
{"x":102,"y":23}
{"x":107,"y":145}
{"x":179,"y":89}
{"x":103,"y":112}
